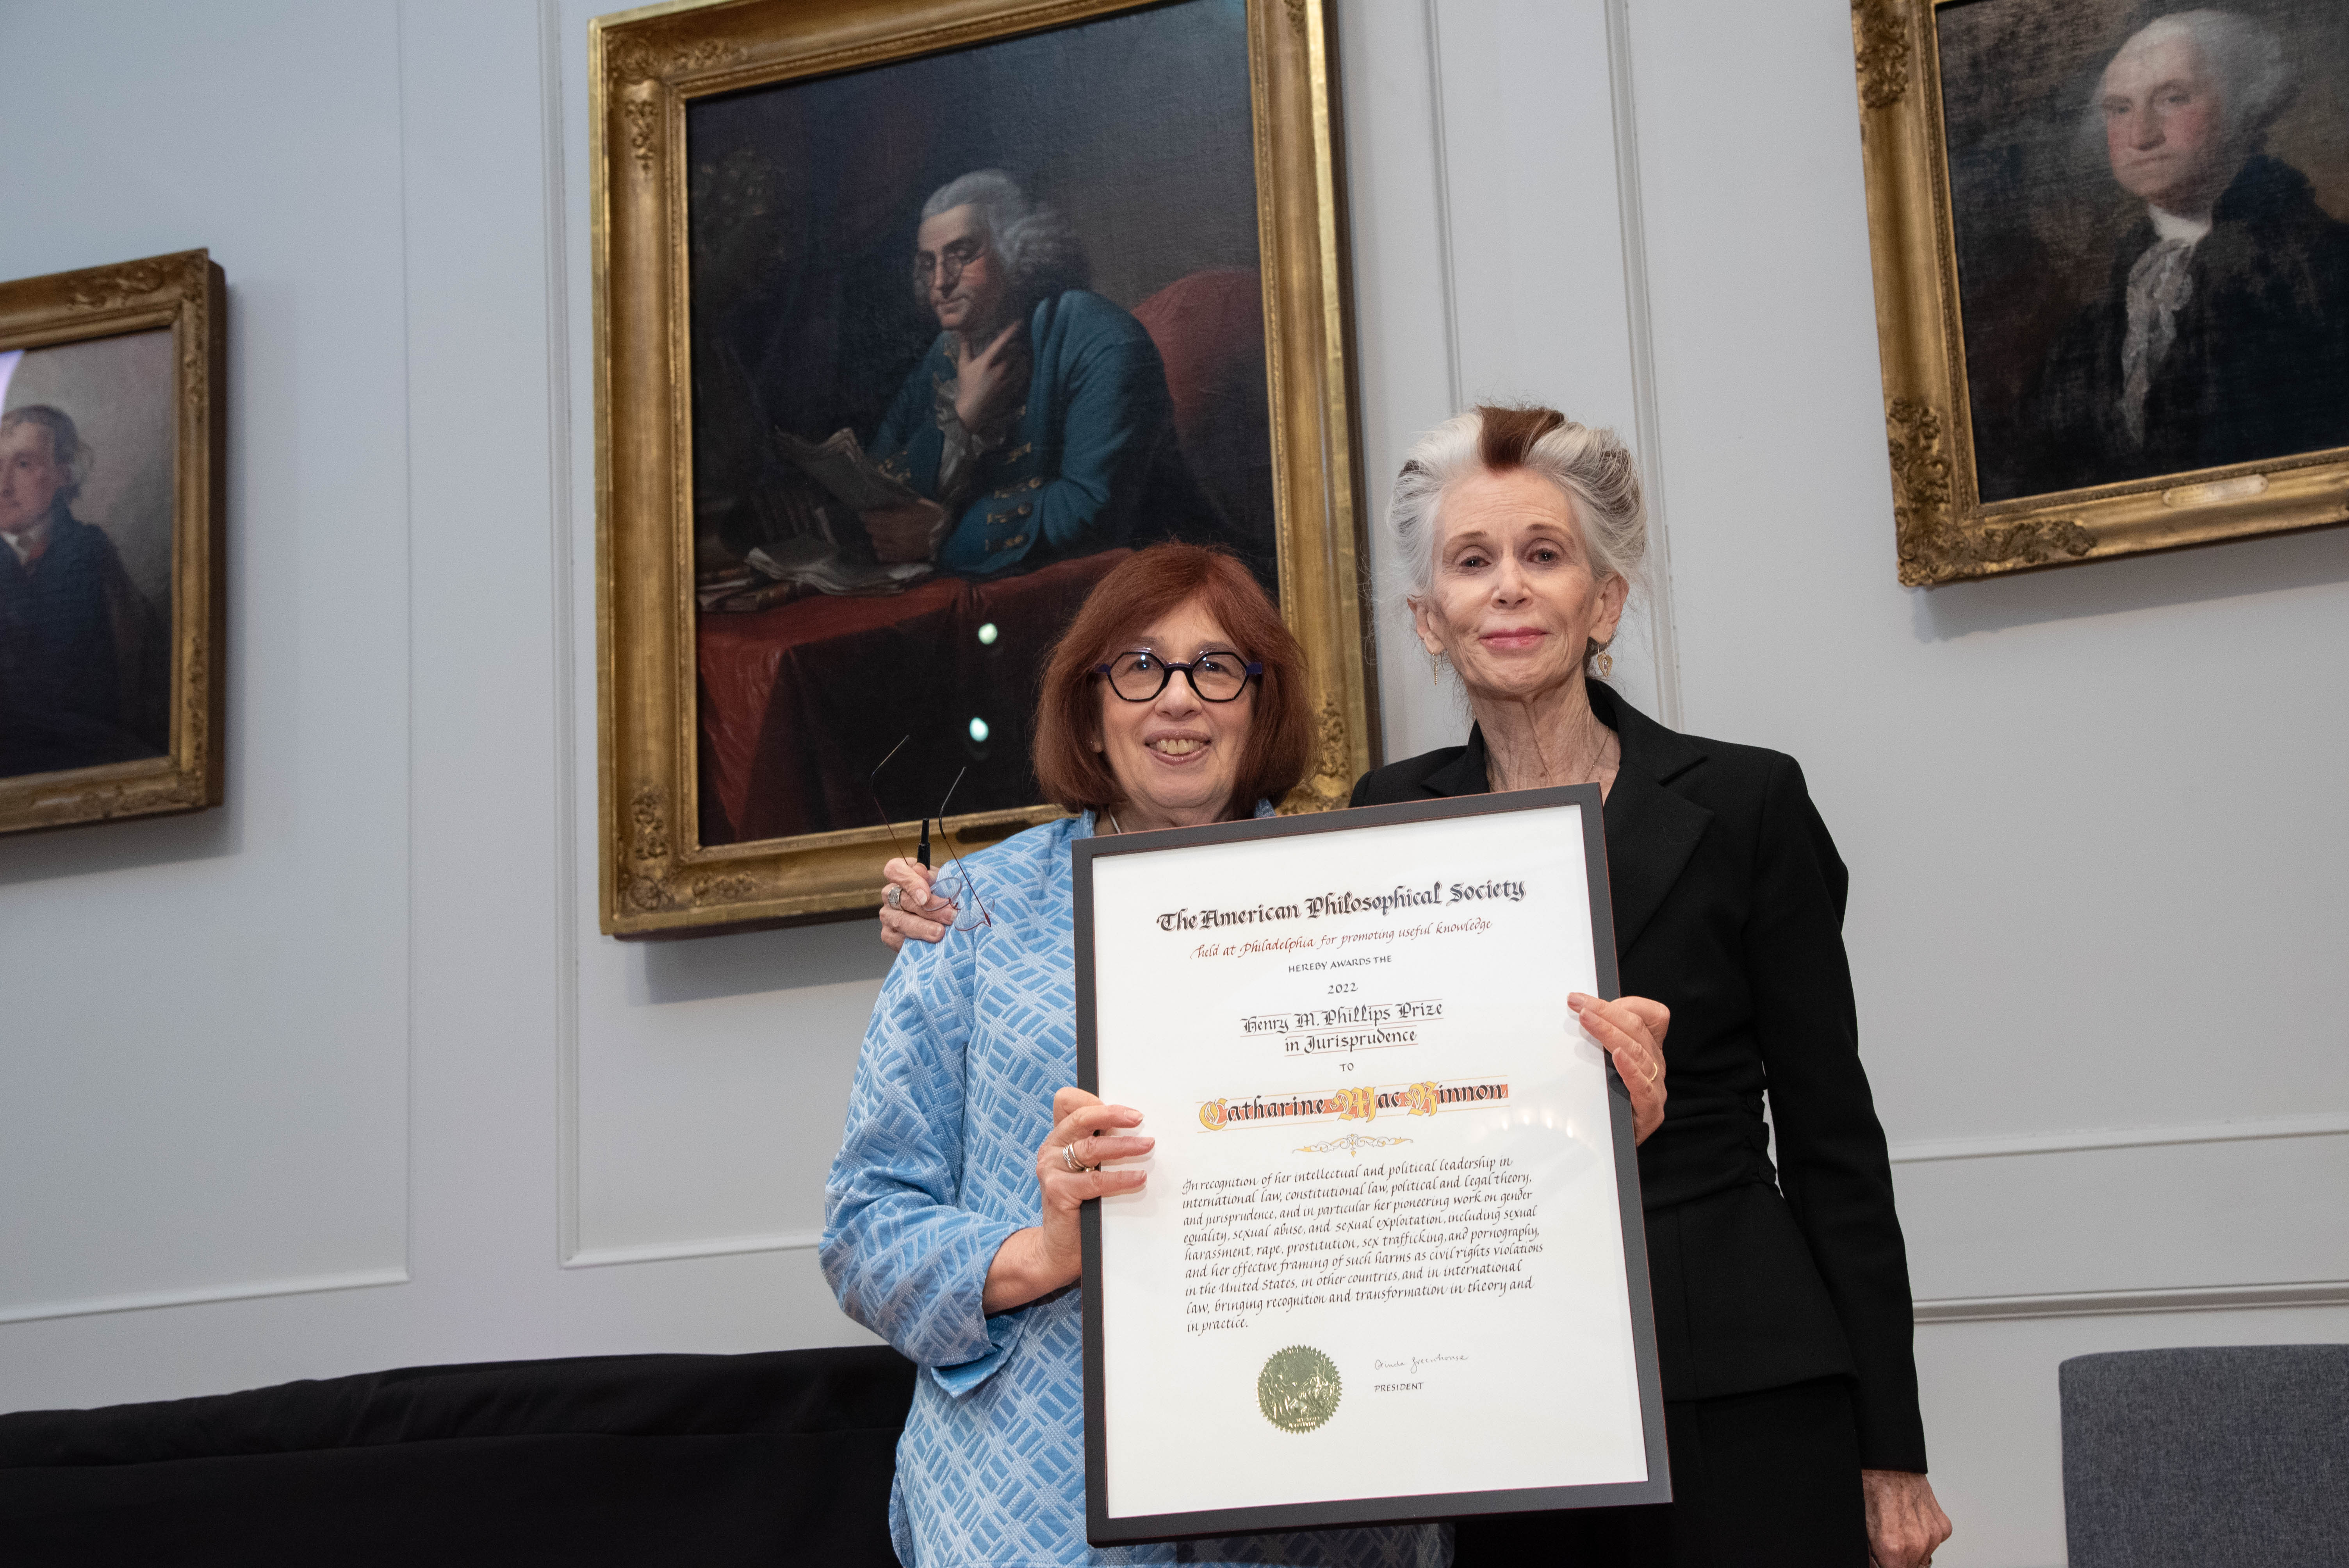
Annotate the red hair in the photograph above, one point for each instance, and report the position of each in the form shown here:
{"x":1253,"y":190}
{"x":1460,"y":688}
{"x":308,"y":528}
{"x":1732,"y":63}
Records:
{"x":1138,"y":591}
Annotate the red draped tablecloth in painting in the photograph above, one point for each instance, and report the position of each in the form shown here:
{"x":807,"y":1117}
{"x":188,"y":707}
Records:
{"x":799,"y":702}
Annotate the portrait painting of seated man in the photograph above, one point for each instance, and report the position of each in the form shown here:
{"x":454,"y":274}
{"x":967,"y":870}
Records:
{"x":966,"y":328}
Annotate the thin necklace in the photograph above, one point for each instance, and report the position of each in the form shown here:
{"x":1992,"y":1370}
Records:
{"x":1113,"y":826}
{"x":1589,"y":770}
{"x":1590,"y":766}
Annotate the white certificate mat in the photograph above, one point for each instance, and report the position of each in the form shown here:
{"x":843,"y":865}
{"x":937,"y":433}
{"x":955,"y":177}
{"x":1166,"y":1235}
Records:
{"x":1390,"y":1262}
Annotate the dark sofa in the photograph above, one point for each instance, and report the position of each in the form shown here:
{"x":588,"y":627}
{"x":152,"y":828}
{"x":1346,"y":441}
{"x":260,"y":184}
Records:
{"x":712,"y":1460}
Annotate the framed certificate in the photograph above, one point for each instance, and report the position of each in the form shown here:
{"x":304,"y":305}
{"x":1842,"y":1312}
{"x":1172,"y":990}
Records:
{"x":1390,"y":1263}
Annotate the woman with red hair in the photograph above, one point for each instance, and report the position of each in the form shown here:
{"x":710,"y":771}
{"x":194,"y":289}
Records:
{"x":950,"y":1220}
{"x":1177,"y":697}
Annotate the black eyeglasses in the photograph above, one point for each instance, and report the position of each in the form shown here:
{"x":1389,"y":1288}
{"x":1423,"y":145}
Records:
{"x":955,"y":886}
{"x":1219,"y":675}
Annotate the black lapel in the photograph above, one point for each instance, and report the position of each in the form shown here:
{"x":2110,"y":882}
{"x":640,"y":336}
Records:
{"x":1650,"y":829}
{"x":1464,"y":774}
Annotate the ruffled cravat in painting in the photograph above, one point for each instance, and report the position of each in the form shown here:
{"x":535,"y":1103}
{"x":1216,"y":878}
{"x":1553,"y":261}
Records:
{"x":2159,"y":286}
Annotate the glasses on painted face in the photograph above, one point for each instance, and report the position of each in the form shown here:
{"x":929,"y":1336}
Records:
{"x":955,"y":885}
{"x":1219,"y":675}
{"x":946,"y":268}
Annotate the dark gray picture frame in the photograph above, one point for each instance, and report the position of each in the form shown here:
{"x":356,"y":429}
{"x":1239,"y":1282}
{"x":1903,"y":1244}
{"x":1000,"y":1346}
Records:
{"x":1103,"y":1529}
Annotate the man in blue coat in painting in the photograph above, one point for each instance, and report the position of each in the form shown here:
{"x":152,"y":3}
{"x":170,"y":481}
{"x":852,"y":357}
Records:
{"x":1039,"y":426}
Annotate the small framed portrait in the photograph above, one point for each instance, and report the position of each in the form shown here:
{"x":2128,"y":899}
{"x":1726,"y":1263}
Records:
{"x":111,"y":567}
{"x":914,"y":321}
{"x":2111,"y":243}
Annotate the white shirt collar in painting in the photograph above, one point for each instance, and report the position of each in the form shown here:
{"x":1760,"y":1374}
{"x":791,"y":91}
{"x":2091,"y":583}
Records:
{"x":2170,"y":226}
{"x":30,"y":542}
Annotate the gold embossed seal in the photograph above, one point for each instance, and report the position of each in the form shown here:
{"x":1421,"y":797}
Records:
{"x":1299,"y":1388}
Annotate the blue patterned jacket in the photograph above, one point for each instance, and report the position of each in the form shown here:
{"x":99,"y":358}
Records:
{"x":953,"y":1094}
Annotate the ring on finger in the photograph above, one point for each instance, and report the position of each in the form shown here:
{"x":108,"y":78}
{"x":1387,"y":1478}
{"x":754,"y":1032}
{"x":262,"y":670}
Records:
{"x":1068,"y":1158}
{"x":892,"y":895}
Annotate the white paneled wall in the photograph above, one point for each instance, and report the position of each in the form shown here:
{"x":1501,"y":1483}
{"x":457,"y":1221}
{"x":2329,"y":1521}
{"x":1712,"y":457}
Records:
{"x":204,"y":1051}
{"x":358,"y":1029}
{"x":329,"y":1036}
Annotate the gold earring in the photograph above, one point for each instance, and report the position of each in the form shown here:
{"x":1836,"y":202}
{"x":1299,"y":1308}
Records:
{"x":1436,"y":669}
{"x":1605,"y":663}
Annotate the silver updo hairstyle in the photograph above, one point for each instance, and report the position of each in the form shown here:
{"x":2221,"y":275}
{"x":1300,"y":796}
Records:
{"x":1591,"y":467}
{"x":1041,"y":254}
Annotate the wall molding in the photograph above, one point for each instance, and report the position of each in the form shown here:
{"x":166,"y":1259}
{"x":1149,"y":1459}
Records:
{"x":1443,"y":205}
{"x":140,"y":1301}
{"x":2240,"y":1296}
{"x":2000,"y":1146}
{"x":560,"y":526}
{"x":1647,"y":422}
{"x":1951,"y":1309}
{"x":672,"y":1251}
{"x":407,"y":677}
{"x":563,"y":535}
{"x":2126,"y":1302}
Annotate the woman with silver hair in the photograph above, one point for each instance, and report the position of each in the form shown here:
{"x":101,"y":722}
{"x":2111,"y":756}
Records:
{"x":1783,"y":1320}
{"x":1038,"y":424}
{"x":1781,"y":1288}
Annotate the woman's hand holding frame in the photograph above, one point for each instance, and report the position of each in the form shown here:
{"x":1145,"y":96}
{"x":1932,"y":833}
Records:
{"x":1632,"y":1030}
{"x":1042,"y":1259}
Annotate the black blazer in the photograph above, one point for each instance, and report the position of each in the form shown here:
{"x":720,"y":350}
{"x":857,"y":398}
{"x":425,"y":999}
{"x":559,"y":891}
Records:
{"x":1729,"y":901}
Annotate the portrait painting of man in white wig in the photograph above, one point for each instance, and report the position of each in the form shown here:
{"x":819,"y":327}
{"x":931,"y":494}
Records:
{"x":967,"y":328}
{"x":2207,"y":322}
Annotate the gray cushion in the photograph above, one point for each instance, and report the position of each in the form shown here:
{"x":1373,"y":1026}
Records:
{"x":2207,"y":1457}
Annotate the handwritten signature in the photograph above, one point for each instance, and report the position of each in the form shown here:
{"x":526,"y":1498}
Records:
{"x":1413,"y":1362}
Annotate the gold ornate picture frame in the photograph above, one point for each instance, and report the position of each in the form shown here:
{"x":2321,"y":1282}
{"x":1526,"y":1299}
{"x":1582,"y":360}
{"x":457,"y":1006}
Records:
{"x":111,"y":565}
{"x":2003,"y":236}
{"x":689,"y":833}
